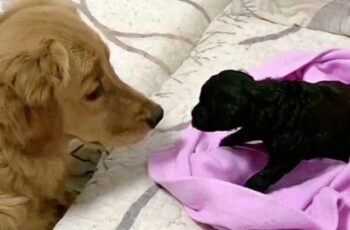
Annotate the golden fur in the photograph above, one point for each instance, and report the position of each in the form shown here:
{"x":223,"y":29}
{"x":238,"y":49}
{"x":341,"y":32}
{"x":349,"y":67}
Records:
{"x":56,"y":84}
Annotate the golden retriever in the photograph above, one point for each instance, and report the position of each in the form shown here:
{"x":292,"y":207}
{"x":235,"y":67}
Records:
{"x":56,"y":84}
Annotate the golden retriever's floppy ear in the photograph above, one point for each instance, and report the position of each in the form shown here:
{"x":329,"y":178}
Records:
{"x":35,"y":69}
{"x":13,"y":120}
{"x":22,"y":126}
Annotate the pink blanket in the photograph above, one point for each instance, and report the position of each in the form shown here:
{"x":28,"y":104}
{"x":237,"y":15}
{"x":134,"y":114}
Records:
{"x":207,"y":179}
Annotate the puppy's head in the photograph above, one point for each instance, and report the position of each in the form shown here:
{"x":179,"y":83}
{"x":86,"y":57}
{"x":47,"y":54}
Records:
{"x":59,"y":70}
{"x":224,"y":102}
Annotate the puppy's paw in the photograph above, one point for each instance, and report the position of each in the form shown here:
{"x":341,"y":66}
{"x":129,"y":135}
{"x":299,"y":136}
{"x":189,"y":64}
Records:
{"x":226,"y":142}
{"x":257,"y":184}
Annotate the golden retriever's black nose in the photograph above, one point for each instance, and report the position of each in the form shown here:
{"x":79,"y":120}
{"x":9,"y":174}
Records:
{"x":156,"y":117}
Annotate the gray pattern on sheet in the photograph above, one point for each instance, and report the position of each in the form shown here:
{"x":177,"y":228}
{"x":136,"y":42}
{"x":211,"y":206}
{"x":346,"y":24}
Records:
{"x":135,"y":209}
{"x":275,"y":36}
{"x":249,"y":9}
{"x":325,"y":20}
{"x":199,"y":8}
{"x":112,"y":35}
{"x":109,"y":35}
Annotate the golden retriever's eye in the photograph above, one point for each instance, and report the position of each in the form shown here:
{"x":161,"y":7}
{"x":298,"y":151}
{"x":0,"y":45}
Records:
{"x":95,"y":94}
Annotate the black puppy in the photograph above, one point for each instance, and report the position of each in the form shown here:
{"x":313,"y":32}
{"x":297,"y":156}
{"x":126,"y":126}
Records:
{"x":295,"y":120}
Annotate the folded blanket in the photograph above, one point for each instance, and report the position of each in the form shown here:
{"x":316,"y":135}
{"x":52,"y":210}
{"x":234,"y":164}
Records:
{"x":208,"y":179}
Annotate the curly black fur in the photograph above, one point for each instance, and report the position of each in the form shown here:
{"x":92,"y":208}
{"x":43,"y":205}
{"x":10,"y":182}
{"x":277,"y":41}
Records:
{"x":295,"y":120}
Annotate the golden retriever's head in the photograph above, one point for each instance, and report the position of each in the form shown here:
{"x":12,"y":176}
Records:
{"x":97,"y":106}
{"x":59,"y":68}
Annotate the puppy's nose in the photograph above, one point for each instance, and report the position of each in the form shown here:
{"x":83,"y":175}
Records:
{"x":155,"y":117}
{"x":198,"y":117}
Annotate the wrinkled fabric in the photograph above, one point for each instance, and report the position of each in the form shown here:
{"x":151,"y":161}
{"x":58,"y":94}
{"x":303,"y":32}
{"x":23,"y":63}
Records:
{"x":207,"y":179}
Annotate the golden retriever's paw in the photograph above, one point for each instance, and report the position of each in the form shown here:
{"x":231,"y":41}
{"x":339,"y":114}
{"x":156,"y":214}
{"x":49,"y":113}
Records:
{"x":68,"y":197}
{"x":62,"y":203}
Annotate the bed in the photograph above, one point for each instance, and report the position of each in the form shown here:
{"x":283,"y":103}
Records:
{"x":167,"y":50}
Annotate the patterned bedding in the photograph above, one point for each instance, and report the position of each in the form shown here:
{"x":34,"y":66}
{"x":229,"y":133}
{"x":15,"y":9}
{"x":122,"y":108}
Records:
{"x":167,"y":49}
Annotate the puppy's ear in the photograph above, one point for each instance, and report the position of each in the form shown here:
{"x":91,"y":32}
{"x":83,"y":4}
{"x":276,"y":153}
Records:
{"x":35,"y":69}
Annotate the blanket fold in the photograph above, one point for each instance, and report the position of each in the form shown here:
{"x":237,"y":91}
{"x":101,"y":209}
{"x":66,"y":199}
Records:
{"x":207,"y":179}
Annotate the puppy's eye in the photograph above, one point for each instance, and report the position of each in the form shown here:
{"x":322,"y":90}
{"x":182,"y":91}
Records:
{"x":95,"y":94}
